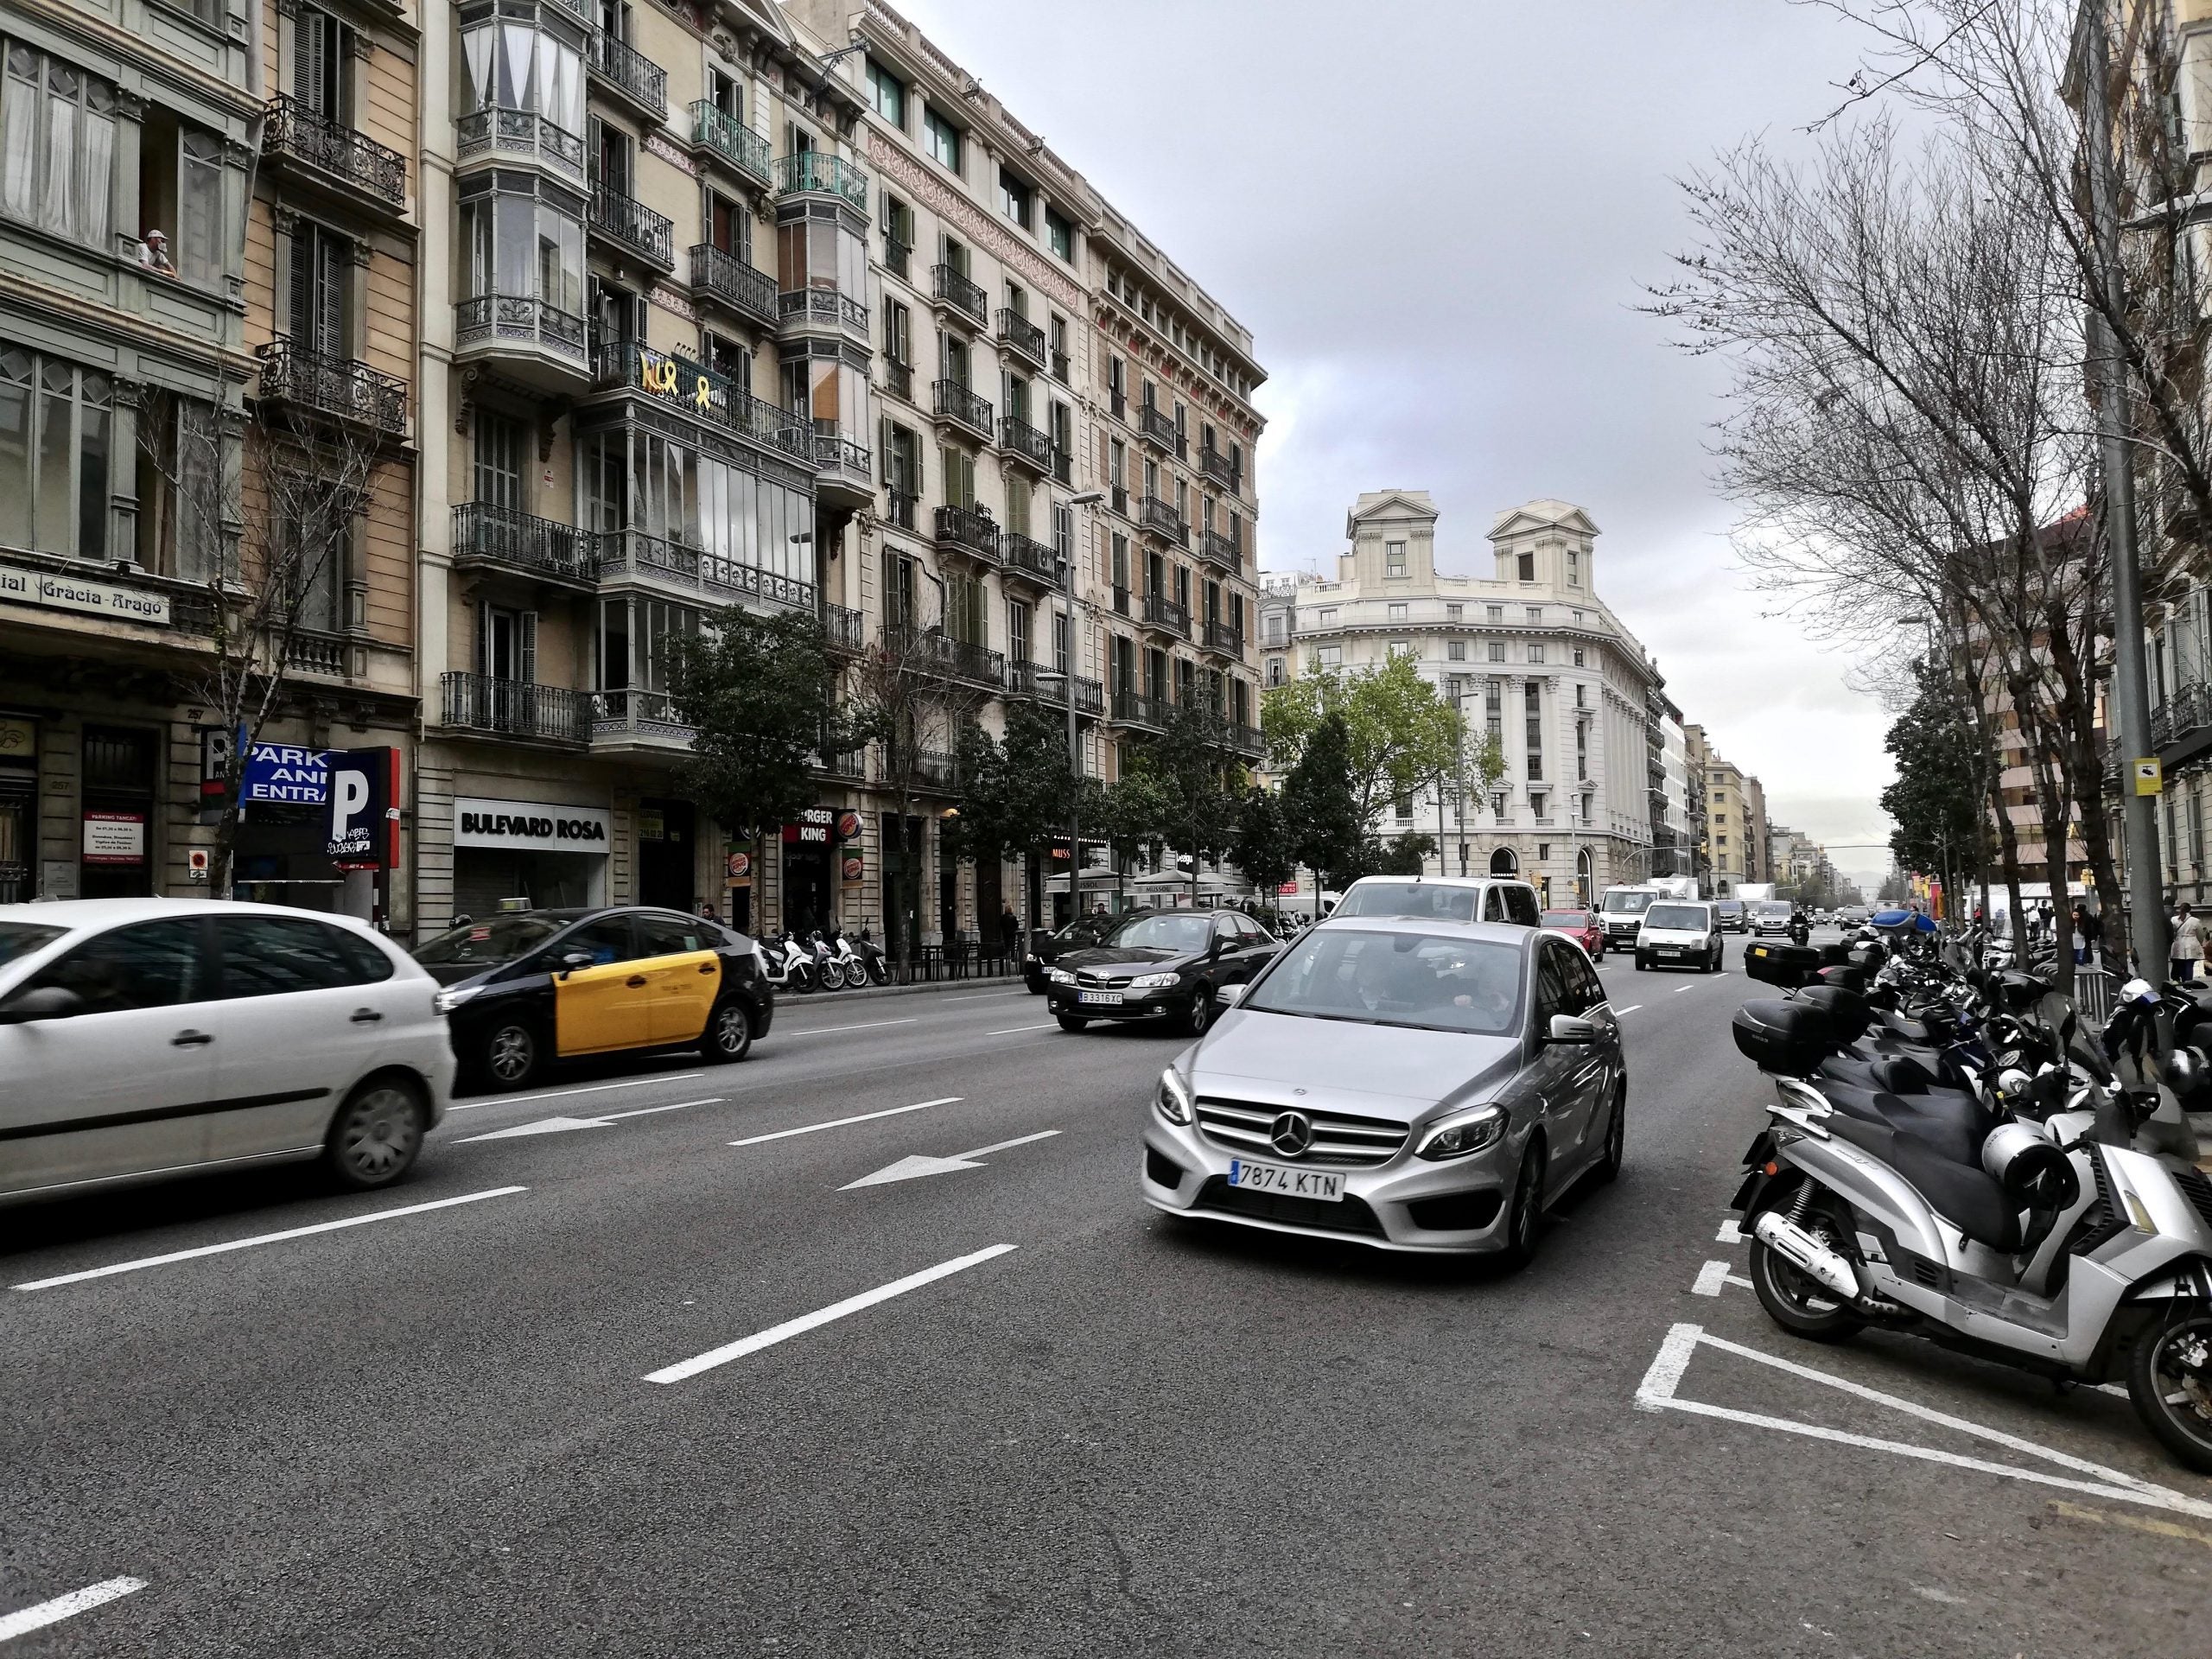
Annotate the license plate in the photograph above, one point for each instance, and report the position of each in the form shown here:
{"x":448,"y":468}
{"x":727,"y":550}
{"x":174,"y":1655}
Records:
{"x":1098,"y":996}
{"x":1671,"y":950}
{"x":1290,"y":1183}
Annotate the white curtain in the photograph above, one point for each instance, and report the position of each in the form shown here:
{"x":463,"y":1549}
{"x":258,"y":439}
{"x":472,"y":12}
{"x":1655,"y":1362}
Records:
{"x":96,"y":177}
{"x":21,"y":112}
{"x":476,"y":50}
{"x":57,"y":211}
{"x":514,"y":91}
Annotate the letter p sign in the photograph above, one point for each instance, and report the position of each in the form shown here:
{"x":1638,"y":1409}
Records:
{"x":360,"y":829}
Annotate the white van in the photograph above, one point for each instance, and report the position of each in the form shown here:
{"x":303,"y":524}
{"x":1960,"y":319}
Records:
{"x":1451,"y":897}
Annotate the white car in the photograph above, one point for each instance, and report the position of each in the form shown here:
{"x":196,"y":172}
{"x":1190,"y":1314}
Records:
{"x":146,"y":1038}
{"x":1678,"y":934}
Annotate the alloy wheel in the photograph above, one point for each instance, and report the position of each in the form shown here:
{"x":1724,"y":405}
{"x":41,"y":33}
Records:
{"x":1201,"y":1012}
{"x":510,"y":1054}
{"x":731,"y":1033}
{"x":2171,"y":1387}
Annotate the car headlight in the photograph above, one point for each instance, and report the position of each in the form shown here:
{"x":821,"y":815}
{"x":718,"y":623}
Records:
{"x":1154,"y":982}
{"x":1462,"y":1135}
{"x":1059,"y":975}
{"x":1173,"y":1098}
{"x":446,"y":1002}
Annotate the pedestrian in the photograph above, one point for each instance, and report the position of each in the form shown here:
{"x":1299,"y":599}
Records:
{"x":1010,"y":932}
{"x":707,"y":910}
{"x":2088,"y":935}
{"x":2188,"y":944}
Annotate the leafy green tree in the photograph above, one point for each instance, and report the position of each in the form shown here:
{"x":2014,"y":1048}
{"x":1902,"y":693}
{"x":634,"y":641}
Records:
{"x":1263,"y":845}
{"x":1126,"y":816}
{"x":1015,"y":793}
{"x":1327,"y":831}
{"x":1401,"y":736}
{"x":1189,"y":765}
{"x":1940,"y":801}
{"x":761,"y":700}
{"x":1406,"y":854}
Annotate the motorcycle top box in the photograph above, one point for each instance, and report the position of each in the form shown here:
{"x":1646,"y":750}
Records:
{"x":1781,"y":964}
{"x":1844,"y":1009}
{"x":1789,"y":1038}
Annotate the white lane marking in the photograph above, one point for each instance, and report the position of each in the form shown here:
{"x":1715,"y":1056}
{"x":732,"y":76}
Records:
{"x":266,"y":1238}
{"x":840,"y":1122}
{"x":588,"y":1089}
{"x":912,"y":1169}
{"x":26,"y":1620}
{"x":1010,"y":1030}
{"x":805,"y":1322}
{"x":1729,"y":1234}
{"x":986,"y":996}
{"x":1656,"y":1393}
{"x":1711,"y":1276}
{"x":1679,"y":990}
{"x":561,"y":1125}
{"x":1631,"y":1008}
{"x":824,"y":1031}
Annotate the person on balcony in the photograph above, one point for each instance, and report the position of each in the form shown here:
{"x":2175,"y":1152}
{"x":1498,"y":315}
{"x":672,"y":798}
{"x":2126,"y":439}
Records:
{"x":154,"y":253}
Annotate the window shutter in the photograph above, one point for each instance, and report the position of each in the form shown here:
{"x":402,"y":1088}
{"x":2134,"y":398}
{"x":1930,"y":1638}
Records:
{"x":594,"y":139}
{"x":332,"y":256}
{"x":526,"y":647}
{"x":883,"y":448}
{"x":483,"y":638}
{"x":310,"y":59}
{"x":303,"y":308}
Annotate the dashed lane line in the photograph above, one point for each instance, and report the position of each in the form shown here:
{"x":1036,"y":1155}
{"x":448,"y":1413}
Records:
{"x":586,"y":1089}
{"x":840,"y":1122}
{"x":872,"y":1025}
{"x":1011,"y":1030}
{"x":25,"y":1620}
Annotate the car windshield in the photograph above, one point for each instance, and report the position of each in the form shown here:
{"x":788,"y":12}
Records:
{"x":21,"y":939}
{"x":497,"y":938}
{"x":1396,"y":979}
{"x":1689,"y":917}
{"x":1565,"y":919}
{"x":1770,"y":907}
{"x":1084,"y":930}
{"x":1624,"y":903}
{"x":1410,"y":898}
{"x":1183,"y":932}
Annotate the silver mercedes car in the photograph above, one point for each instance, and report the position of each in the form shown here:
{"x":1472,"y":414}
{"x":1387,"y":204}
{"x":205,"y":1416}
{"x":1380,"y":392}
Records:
{"x":1411,"y":1084}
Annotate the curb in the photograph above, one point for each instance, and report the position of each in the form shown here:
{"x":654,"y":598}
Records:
{"x":868,"y":994}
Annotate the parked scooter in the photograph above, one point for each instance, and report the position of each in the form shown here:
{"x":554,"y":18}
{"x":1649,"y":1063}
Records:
{"x":873,"y":961}
{"x":826,"y":967}
{"x":790,"y":964}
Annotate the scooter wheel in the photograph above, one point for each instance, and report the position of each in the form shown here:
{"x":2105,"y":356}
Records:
{"x":803,"y":984}
{"x":1795,"y":1300}
{"x":2170,"y":1382}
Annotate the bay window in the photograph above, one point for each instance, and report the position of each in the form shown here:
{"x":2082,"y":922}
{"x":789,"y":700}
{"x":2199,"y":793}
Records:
{"x":512,"y":66}
{"x":57,"y":147}
{"x":55,"y":444}
{"x":523,"y":246}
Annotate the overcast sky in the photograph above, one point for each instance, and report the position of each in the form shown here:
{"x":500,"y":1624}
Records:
{"x":1435,"y":219}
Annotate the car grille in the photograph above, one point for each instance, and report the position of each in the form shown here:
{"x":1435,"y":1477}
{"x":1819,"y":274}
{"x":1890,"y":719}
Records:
{"x":1348,"y":1142}
{"x":1347,"y":1215}
{"x":1091,"y":982}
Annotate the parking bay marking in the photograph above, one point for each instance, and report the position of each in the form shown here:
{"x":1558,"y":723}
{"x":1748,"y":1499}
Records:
{"x":914,"y":1168}
{"x":1712,"y":1275}
{"x":266,"y":1238}
{"x":1657,"y":1393}
{"x":805,"y":1322}
{"x":840,"y":1122}
{"x":25,"y":1620}
{"x":560,"y":1125}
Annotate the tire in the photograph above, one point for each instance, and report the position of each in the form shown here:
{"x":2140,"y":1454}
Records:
{"x":728,"y":1037}
{"x":1201,"y":1014}
{"x":375,"y":1135}
{"x":508,"y":1052}
{"x":833,"y":976}
{"x":1073,"y":1022}
{"x":1642,"y":965}
{"x":1524,"y":1223}
{"x":802,"y":981}
{"x":1609,"y":1164}
{"x":1792,"y":1300}
{"x":2170,"y":1382}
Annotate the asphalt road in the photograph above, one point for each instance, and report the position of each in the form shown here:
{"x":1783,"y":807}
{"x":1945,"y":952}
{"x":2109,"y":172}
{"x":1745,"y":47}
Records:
{"x":1092,"y":1432}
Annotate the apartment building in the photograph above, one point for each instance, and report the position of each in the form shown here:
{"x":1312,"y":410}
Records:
{"x":1735,"y":818}
{"x":1671,"y":845}
{"x":207,"y":232}
{"x":1532,"y":655}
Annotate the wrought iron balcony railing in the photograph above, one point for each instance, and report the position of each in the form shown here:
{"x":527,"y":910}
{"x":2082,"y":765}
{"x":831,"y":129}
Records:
{"x":815,"y":171}
{"x":1219,"y":636}
{"x":956,"y":291}
{"x":725,"y":136}
{"x":722,"y":275}
{"x":294,"y":131}
{"x":1089,"y":696}
{"x":1022,"y":556}
{"x":1025,"y":443}
{"x":928,"y":650}
{"x":827,"y":305}
{"x":1168,"y":615}
{"x":1215,"y":466}
{"x":518,"y":320}
{"x":956,"y":403}
{"x":898,"y":379}
{"x":336,"y":386}
{"x":478,"y":702}
{"x":1022,"y":337}
{"x":635,"y":225}
{"x":624,"y":365}
{"x":846,"y":629}
{"x":1156,"y":428}
{"x":1134,"y":708}
{"x":835,"y":452}
{"x":631,"y":716}
{"x":1217,"y":549}
{"x":629,"y":72}
{"x":1155,"y":515}
{"x":1247,"y":739}
{"x":633,"y":555}
{"x":968,"y":528}
{"x":522,"y":541}
{"x":522,"y":134}
{"x":898,"y":258}
{"x":900,"y":515}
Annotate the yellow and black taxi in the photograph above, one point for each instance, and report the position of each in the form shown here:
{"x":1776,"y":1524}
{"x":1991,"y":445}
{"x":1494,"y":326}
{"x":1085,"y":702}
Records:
{"x":523,"y":989}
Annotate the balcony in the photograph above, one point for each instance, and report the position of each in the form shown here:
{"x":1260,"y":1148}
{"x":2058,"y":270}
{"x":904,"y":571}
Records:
{"x":1021,"y":337}
{"x":1024,"y":443}
{"x":336,"y":388}
{"x":720,"y":137}
{"x":514,"y":709}
{"x":1248,"y":740}
{"x":1215,"y":464}
{"x":1089,"y":696}
{"x":500,"y":538}
{"x":1168,"y":615}
{"x":929,"y":651}
{"x":955,"y":403}
{"x":844,"y":628}
{"x":630,"y":223}
{"x":841,"y":475}
{"x":294,"y":135}
{"x":1157,"y":429}
{"x":900,"y":514}
{"x":540,"y":343}
{"x":524,"y":135}
{"x":1033,"y":561}
{"x":950,"y":290}
{"x":827,"y":308}
{"x":2181,"y":727}
{"x":842,"y":763}
{"x":1162,"y":520}
{"x":631,"y":77}
{"x":625,"y":366}
{"x":1220,"y":637}
{"x":634,"y":555}
{"x":931,"y":769}
{"x":814,"y":172}
{"x":898,"y":258}
{"x":967,"y":529}
{"x":1134,"y":709}
{"x":727,"y":280}
{"x":1219,"y":550}
{"x":898,"y":379}
{"x":1059,"y":368}
{"x":637,"y":720}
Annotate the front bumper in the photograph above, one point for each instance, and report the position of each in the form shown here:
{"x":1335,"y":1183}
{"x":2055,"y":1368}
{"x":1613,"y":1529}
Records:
{"x":1138,"y":1005}
{"x":1457,"y":1208}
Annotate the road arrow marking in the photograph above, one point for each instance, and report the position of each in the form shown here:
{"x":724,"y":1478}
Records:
{"x":909,"y":1169}
{"x":561,"y":1125}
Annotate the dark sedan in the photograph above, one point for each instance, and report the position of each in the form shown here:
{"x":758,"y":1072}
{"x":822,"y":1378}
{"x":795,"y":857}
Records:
{"x":1159,"y":964}
{"x":1047,"y":948}
{"x":524,"y":988}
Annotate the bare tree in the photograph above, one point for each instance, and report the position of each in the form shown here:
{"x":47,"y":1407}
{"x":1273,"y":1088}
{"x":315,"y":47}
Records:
{"x":261,"y":517}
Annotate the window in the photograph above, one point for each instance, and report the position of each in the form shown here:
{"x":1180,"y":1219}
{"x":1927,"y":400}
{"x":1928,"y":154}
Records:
{"x":180,"y":497}
{"x":1056,"y":337}
{"x":1575,"y":617}
{"x":1497,"y":651}
{"x":149,"y":965}
{"x":1331,"y":655}
{"x":1525,"y":566}
{"x":1494,"y":612}
{"x":1397,"y":612}
{"x":1401,"y":648}
{"x":1578,"y":657}
{"x":1120,"y":554}
{"x":181,"y":187}
{"x":1456,"y":650}
{"x":515,"y":245}
{"x":273,"y":956}
{"x":56,"y":434}
{"x":1535,"y":651}
{"x":1453,"y":613}
{"x":1327,"y":618}
{"x":1274,"y":670}
{"x":1063,"y":643}
{"x":1394,"y":558}
{"x":1535,"y":612}
{"x":902,"y":460}
{"x":898,"y":334}
{"x":1059,"y":236}
{"x":898,"y":233}
{"x":499,"y":460}
{"x":57,"y":147}
{"x":1578,"y":696}
{"x":322,"y":264}
{"x":1719,"y":817}
{"x":1403,"y":809}
{"x":1533,"y":712}
{"x":1574,"y":568}
{"x":510,"y":66}
{"x":886,"y":94}
{"x":941,"y":138}
{"x":1015,"y":198}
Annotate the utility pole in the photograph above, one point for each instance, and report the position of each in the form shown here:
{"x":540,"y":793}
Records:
{"x":2146,"y":918}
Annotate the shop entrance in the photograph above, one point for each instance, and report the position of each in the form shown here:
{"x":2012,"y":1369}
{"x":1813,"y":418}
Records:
{"x":806,"y":885}
{"x":667,"y":854}
{"x":116,"y":859}
{"x":18,"y":831}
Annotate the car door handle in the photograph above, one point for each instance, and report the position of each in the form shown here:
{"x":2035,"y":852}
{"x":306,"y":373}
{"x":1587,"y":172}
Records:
{"x":365,"y":1016}
{"x":190,"y":1039}
{"x":706,"y":967}
{"x":635,"y":979}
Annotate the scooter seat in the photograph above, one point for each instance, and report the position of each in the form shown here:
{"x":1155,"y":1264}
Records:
{"x":1949,"y":1132}
{"x":1962,"y":1194}
{"x":1892,"y":1073}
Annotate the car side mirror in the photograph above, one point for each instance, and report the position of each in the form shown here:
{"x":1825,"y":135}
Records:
{"x":1571,"y":1028}
{"x":574,"y":960}
{"x":1229,"y":996}
{"x":46,"y":1002}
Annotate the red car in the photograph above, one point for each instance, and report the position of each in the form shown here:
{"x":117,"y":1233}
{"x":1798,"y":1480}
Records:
{"x":1581,"y":926}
